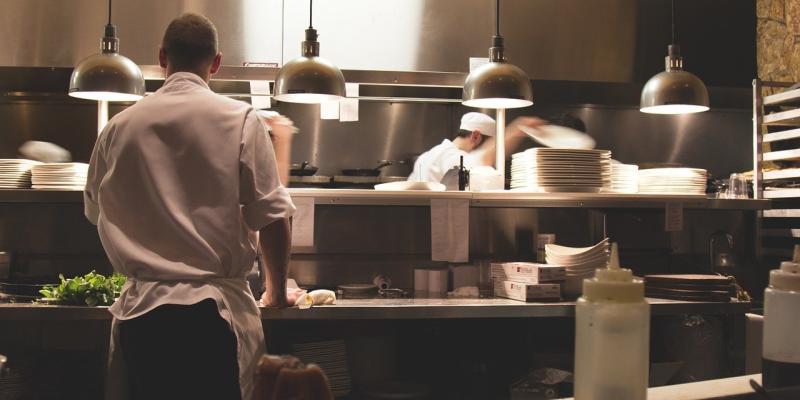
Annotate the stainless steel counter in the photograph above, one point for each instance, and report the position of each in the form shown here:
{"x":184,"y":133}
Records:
{"x":499,"y":199}
{"x":393,"y":309}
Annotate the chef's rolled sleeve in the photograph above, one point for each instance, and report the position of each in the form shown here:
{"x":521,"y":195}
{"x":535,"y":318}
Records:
{"x":261,"y":194}
{"x":95,"y":174}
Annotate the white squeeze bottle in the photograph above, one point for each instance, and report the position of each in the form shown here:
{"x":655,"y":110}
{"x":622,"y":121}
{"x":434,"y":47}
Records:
{"x":612,"y":336}
{"x":781,"y":351}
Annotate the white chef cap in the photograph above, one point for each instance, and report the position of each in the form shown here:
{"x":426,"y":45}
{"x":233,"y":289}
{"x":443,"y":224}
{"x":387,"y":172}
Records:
{"x":475,"y":121}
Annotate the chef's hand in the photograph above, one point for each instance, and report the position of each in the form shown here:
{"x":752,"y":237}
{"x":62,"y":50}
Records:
{"x":530,"y":122}
{"x":278,"y":300}
{"x":282,"y":128}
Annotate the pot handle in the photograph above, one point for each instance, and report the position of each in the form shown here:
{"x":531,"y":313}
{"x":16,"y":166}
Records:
{"x":383,"y":163}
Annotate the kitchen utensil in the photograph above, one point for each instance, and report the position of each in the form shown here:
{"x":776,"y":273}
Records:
{"x":357,"y":290}
{"x":302,"y":169}
{"x":20,"y":292}
{"x":367,"y":171}
{"x":559,"y":137}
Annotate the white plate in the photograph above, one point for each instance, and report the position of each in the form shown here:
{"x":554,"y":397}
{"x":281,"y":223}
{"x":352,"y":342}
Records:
{"x":571,"y":251}
{"x":559,"y":136}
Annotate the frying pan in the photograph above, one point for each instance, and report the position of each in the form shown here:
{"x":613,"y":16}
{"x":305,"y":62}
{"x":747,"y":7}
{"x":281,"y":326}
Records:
{"x":366,"y":171}
{"x":302,"y":169}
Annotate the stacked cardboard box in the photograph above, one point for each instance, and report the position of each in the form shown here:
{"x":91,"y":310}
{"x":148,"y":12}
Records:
{"x":525,"y":281}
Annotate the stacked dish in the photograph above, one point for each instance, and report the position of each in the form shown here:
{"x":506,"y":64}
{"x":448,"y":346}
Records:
{"x":690,"y":181}
{"x":624,"y":178}
{"x":16,"y":173}
{"x":580,"y":263}
{"x":561,"y":170}
{"x":59,"y":176}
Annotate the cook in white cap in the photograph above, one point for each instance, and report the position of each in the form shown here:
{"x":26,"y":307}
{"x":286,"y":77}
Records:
{"x":474,"y":141}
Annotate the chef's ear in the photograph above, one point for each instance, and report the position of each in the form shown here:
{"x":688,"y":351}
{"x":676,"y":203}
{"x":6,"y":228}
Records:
{"x":216,"y":63}
{"x":162,"y":57}
{"x":476,"y":137}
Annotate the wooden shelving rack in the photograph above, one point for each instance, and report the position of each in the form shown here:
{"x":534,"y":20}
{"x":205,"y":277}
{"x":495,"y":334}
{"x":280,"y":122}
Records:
{"x":776,"y":160}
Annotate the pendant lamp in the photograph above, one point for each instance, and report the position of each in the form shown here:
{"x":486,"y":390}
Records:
{"x":674,"y":91}
{"x":309,"y":78}
{"x":107,"y":76}
{"x":497,"y":84}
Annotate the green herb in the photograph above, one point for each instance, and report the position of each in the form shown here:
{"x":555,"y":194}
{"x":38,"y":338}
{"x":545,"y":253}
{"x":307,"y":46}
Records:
{"x":91,"y":289}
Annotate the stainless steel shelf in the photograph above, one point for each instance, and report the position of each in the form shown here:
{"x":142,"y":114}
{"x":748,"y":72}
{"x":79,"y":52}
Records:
{"x":393,"y":309}
{"x":499,"y":199}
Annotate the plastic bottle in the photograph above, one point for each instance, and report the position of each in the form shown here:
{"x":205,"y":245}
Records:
{"x":781,"y":343}
{"x":612,"y":336}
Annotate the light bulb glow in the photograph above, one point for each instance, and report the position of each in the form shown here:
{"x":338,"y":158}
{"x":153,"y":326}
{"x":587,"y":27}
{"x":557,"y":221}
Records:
{"x":674,"y":109}
{"x":105,"y":96}
{"x":497,"y":102}
{"x":307,"y":98}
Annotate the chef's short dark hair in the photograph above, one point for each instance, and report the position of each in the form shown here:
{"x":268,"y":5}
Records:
{"x":190,"y":42}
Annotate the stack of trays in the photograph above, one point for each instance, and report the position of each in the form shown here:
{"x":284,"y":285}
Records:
{"x":331,"y":356}
{"x":691,"y":181}
{"x":561,"y":170}
{"x":579,"y":263}
{"x":624,"y":178}
{"x":16,"y":173}
{"x":60,"y":176}
{"x":690,"y":287}
{"x":525,"y":281}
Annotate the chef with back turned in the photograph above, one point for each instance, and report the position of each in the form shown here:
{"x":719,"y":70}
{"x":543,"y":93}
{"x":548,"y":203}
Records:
{"x":181,"y":187}
{"x":474,"y":141}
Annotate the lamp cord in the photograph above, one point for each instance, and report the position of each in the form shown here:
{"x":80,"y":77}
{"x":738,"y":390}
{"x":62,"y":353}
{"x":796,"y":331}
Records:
{"x":497,"y":18}
{"x":109,"y":12}
{"x":673,"y":21}
{"x":310,"y":13}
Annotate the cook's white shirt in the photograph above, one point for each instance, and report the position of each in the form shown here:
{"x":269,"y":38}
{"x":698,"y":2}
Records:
{"x":178,"y":185}
{"x":434,"y":163}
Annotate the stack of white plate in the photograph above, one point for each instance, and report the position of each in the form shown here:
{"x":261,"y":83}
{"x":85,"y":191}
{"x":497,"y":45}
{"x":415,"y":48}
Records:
{"x":16,"y":173}
{"x":331,"y":356}
{"x":579,"y":262}
{"x":624,"y":178}
{"x":690,"y":181}
{"x":561,"y":170}
{"x":60,"y":176}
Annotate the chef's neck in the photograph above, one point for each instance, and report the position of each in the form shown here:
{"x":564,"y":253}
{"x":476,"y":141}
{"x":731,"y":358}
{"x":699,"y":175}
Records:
{"x":205,"y":76}
{"x":203,"y":70}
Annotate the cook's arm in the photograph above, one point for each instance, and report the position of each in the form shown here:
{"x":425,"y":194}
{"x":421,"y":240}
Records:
{"x":276,"y":244}
{"x":266,"y":206}
{"x":283,"y":130}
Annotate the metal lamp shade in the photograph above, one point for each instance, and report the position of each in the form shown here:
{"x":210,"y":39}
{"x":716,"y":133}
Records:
{"x":309,"y":80}
{"x":107,"y":76}
{"x":674,"y":92}
{"x":497,"y":85}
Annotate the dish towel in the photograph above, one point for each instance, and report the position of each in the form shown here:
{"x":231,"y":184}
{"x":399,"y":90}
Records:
{"x":450,"y":230}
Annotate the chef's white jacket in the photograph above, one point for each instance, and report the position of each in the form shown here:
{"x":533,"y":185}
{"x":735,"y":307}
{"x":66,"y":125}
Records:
{"x":178,"y":185}
{"x":434,"y":163}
